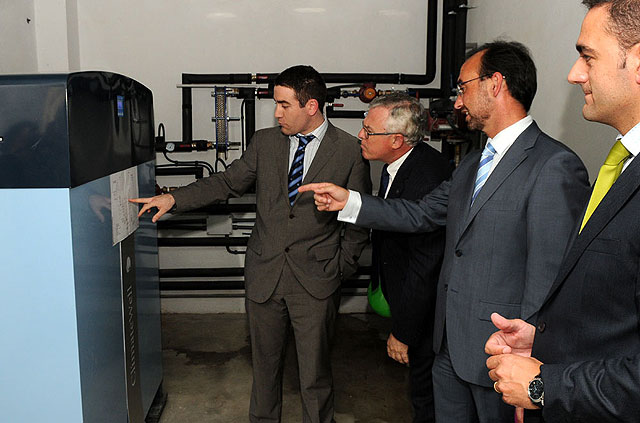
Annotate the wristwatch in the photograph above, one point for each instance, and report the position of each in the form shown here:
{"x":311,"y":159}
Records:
{"x":536,"y":391}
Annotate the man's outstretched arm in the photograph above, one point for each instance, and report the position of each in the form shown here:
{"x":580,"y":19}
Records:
{"x":395,"y":214}
{"x":327,"y":196}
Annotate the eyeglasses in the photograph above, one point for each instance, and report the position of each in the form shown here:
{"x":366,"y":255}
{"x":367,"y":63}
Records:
{"x":368,"y":134}
{"x":460,"y":85}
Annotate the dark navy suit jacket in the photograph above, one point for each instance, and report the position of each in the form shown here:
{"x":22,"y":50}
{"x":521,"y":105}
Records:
{"x":588,"y":329}
{"x":408,"y":264}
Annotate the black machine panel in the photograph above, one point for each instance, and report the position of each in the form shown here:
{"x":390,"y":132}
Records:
{"x":61,"y":131}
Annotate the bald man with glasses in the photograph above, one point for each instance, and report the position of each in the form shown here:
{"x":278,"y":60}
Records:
{"x":509,"y":212}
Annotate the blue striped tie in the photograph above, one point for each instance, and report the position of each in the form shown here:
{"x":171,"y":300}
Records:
{"x":483,"y":169}
{"x":297,"y":167}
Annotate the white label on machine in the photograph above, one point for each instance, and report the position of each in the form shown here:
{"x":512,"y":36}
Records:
{"x":124,"y":185}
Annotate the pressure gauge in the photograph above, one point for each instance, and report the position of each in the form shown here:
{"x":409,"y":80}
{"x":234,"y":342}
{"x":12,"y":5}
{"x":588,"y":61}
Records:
{"x":170,"y":147}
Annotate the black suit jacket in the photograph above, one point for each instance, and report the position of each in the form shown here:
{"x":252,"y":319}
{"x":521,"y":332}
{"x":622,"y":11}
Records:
{"x":588,"y":329}
{"x":408,"y":264}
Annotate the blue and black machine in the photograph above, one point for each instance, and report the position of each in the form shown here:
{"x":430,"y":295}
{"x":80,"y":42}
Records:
{"x":79,"y":287}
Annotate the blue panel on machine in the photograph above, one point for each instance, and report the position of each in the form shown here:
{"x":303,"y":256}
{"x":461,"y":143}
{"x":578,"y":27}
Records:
{"x":69,"y":355}
{"x":39,"y":358}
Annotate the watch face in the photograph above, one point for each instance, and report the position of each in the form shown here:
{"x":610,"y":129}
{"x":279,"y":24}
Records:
{"x":536,"y":389}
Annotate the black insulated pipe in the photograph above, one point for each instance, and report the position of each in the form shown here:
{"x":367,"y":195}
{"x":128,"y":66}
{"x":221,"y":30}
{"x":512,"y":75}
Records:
{"x":249,"y":119}
{"x":344,"y":114}
{"x":223,"y":208}
{"x":201,"y":272}
{"x":221,"y":285}
{"x":459,"y":38}
{"x":453,"y":24}
{"x":201,"y":285}
{"x":217,"y":78}
{"x":221,"y":272}
{"x":184,"y":225}
{"x":196,"y":171}
{"x":187,"y":115}
{"x":227,"y":241}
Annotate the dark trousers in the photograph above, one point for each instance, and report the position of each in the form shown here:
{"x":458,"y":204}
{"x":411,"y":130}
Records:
{"x":313,"y":323}
{"x":421,"y":358}
{"x":458,"y":401}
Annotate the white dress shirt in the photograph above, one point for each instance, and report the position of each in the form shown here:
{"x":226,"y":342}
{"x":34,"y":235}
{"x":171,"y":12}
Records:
{"x":501,"y":143}
{"x":505,"y":139}
{"x":311,"y":148}
{"x":394,"y":167}
{"x":631,"y":141}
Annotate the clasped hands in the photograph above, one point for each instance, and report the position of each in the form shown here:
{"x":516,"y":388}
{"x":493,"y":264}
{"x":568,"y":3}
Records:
{"x":511,"y":365}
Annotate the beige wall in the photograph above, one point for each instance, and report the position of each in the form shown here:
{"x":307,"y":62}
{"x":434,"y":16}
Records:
{"x":17,"y":37}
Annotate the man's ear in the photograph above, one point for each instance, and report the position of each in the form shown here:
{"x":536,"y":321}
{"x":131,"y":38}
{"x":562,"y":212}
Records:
{"x":312,"y":106}
{"x":498,"y":82}
{"x":633,"y":62}
{"x":398,"y":141}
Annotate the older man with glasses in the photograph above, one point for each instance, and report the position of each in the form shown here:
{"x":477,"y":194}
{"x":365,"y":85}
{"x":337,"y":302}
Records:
{"x":509,"y":212}
{"x":406,"y":266}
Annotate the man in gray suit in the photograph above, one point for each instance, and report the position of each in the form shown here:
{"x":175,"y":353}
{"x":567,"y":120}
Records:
{"x":508,"y":212}
{"x":296,"y":255}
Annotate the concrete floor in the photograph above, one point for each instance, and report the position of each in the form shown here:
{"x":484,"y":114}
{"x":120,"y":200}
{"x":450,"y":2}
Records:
{"x":207,"y":371}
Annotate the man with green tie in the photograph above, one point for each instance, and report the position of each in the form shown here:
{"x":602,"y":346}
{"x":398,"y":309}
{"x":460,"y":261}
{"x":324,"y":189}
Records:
{"x":584,"y":363}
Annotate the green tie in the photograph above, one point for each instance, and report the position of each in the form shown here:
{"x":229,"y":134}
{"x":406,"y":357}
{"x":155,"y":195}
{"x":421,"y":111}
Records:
{"x":608,"y":174}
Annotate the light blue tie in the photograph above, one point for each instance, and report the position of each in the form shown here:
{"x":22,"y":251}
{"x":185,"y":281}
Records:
{"x":483,"y":169}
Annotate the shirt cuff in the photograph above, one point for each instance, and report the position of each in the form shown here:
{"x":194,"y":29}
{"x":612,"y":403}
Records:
{"x":351,"y":210}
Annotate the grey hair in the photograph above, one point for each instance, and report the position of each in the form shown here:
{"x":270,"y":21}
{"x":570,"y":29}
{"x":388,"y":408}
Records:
{"x":406,"y":116}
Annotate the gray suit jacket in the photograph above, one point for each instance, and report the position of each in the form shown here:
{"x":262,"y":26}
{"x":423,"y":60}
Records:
{"x":310,"y":241}
{"x":502,"y":254}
